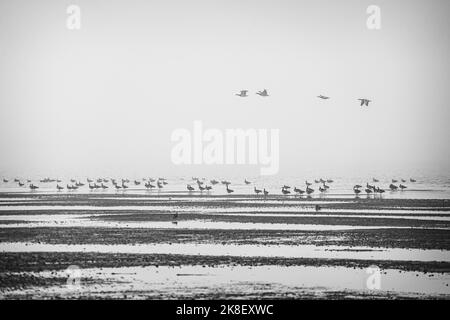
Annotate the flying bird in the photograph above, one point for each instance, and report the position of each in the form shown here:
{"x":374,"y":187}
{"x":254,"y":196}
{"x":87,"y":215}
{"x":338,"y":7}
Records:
{"x":365,"y":102}
{"x":243,"y":93}
{"x":263,"y":93}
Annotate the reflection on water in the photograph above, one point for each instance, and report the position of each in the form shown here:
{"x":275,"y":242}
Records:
{"x":288,"y":251}
{"x":241,"y":281}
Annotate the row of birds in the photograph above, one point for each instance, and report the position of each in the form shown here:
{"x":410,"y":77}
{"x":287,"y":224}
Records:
{"x":374,"y":189}
{"x":95,"y":184}
{"x":159,"y":183}
{"x":263,"y":93}
{"x":202,"y":186}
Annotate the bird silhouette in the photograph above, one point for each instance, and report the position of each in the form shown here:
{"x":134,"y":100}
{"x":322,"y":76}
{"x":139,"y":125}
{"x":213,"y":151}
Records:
{"x":243,"y":93}
{"x":263,"y":93}
{"x":365,"y":102}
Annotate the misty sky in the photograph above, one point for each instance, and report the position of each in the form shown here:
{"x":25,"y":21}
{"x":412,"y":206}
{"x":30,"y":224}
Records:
{"x":105,"y":99}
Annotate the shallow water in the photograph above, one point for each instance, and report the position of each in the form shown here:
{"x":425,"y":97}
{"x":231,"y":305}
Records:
{"x":287,"y":251}
{"x":426,"y":187}
{"x":243,"y":281}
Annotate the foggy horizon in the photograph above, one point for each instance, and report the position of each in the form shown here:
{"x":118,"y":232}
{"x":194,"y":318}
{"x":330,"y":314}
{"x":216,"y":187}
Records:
{"x":105,"y":99}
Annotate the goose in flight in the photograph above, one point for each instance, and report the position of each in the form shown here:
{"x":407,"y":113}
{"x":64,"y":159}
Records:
{"x":263,"y":93}
{"x":323,"y":97}
{"x":243,"y":93}
{"x":365,"y":102}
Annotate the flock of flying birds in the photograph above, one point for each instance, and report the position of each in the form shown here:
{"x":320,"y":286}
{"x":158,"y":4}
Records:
{"x":263,"y":93}
{"x":202,"y":186}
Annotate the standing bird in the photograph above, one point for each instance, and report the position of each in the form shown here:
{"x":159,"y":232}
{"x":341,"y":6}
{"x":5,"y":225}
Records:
{"x":298,"y":191}
{"x":394,"y":181}
{"x":246,"y":181}
{"x":356,"y":191}
{"x":59,"y":187}
{"x":229,"y":190}
{"x":393,"y":187}
{"x":323,"y":97}
{"x":190,"y":188}
{"x":375,"y":180}
{"x":412,"y":180}
{"x":257,"y":191}
{"x":243,"y":93}
{"x":285,"y":191}
{"x":402,"y":187}
{"x":308,"y":183}
{"x":33,"y":187}
{"x":309,"y":190}
{"x":265,"y":192}
{"x":263,"y":93}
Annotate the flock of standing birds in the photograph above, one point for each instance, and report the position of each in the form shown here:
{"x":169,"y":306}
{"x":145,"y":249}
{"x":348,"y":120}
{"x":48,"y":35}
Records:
{"x":263,"y":93}
{"x":201,"y":185}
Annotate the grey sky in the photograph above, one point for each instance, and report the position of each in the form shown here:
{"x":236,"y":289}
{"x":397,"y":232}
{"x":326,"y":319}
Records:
{"x":105,"y":99}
